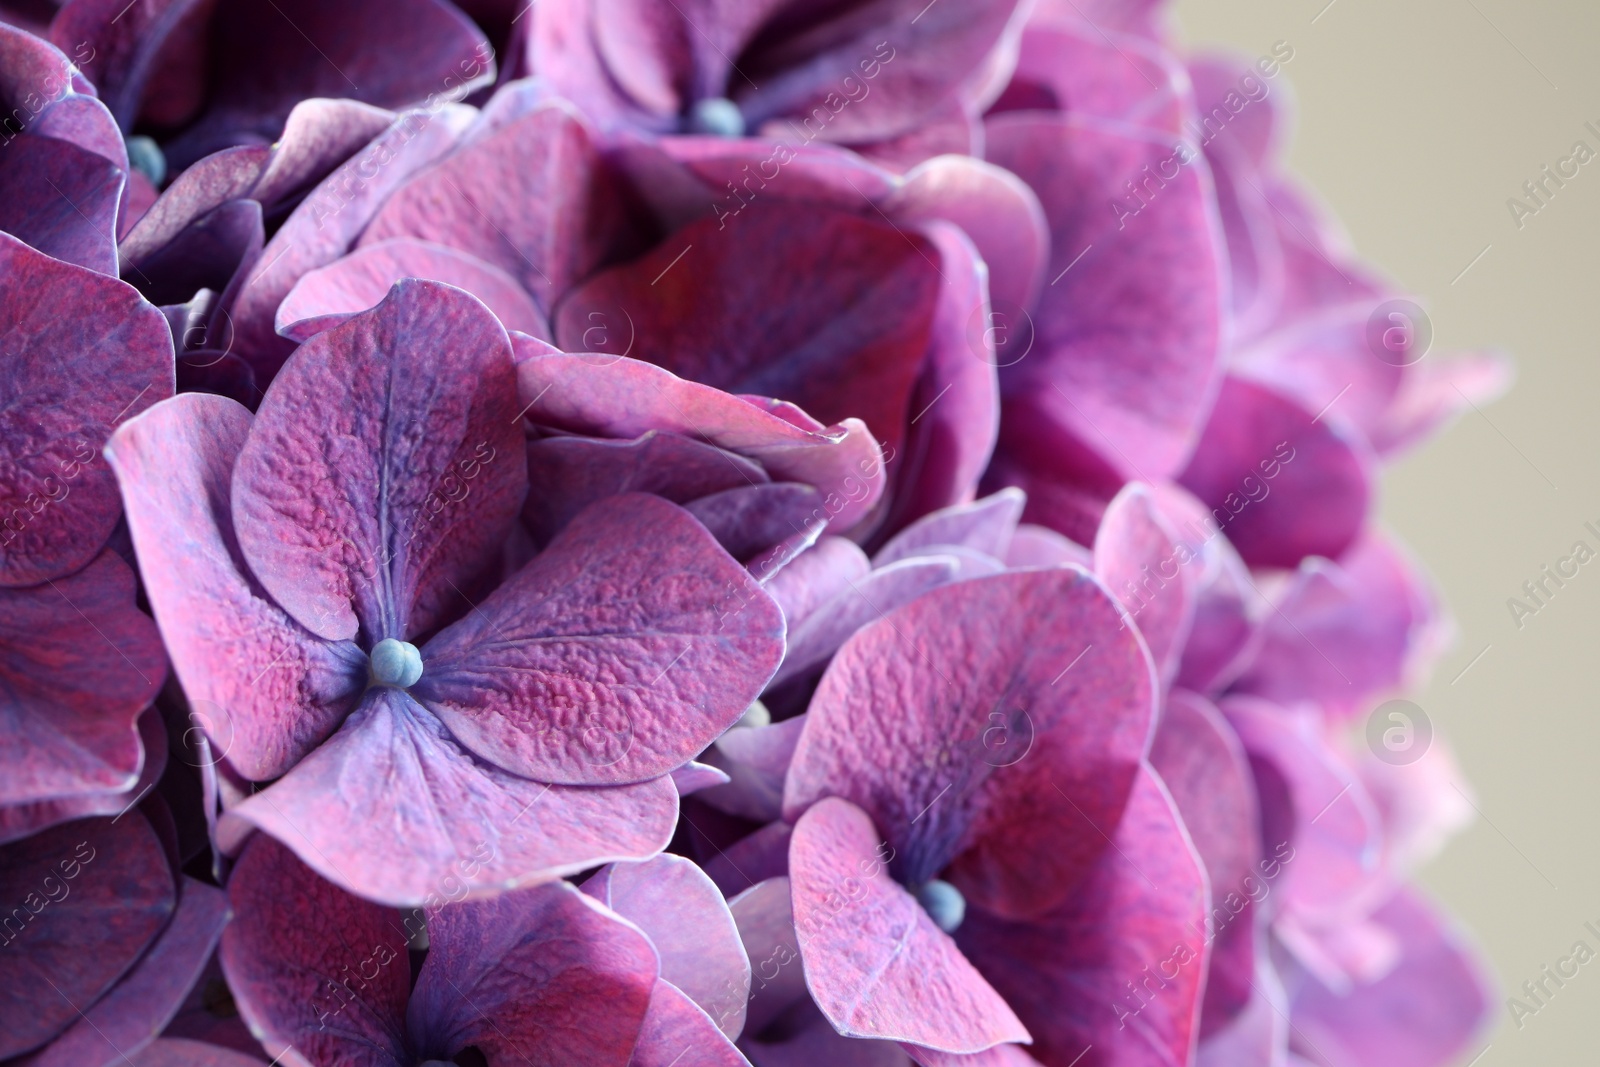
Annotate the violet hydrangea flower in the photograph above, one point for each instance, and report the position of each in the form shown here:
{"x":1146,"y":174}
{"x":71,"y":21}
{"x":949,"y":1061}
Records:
{"x":323,"y":576}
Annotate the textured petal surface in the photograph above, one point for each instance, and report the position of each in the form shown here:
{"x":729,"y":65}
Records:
{"x":313,"y":968}
{"x":78,"y":663}
{"x":683,"y":914}
{"x":996,"y":723}
{"x":86,"y":899}
{"x":610,"y":396}
{"x":372,"y":487}
{"x":1282,"y":485}
{"x":83,"y":352}
{"x":1136,"y":556}
{"x":391,"y":806}
{"x":617,"y":654}
{"x":266,"y":690}
{"x":875,"y":962}
{"x":23,"y":820}
{"x":541,"y":976}
{"x":1120,"y":966}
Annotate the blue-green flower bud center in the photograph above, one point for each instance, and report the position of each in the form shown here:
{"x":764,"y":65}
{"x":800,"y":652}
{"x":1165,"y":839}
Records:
{"x":943,"y":902}
{"x":396,"y":663}
{"x":717,"y":116}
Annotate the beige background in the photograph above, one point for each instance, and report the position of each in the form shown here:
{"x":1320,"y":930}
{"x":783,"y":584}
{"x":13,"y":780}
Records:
{"x":1417,"y":120}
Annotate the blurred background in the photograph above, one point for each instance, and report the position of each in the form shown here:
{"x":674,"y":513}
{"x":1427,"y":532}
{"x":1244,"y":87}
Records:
{"x":1416,"y":123}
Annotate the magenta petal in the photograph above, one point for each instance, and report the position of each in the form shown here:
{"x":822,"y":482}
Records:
{"x":62,"y":200}
{"x":849,"y":343}
{"x":1345,"y":633}
{"x":683,"y":914}
{"x":997,"y":723}
{"x":1136,"y":556}
{"x":367,"y":493}
{"x":149,"y":995}
{"x":544,"y":973}
{"x":998,"y":1056}
{"x":265,"y":691}
{"x":1281,"y":485}
{"x":1313,"y":804}
{"x":1086,"y":974}
{"x":985,"y":525}
{"x":863,"y":601}
{"x":314,"y":968}
{"x":875,"y":962}
{"x":88,"y":897}
{"x":766,"y":928}
{"x":1074,"y":65}
{"x":226,"y":175}
{"x":806,"y":1038}
{"x":1259,"y":1035}
{"x":762,"y":526}
{"x":994,"y":208}
{"x":78,"y":663}
{"x":816,"y":576}
{"x":617,"y":654}
{"x":678,"y":1033}
{"x":612,"y":396}
{"x":329,"y":295}
{"x":392,"y":806}
{"x":1434,"y":393}
{"x":328,"y":220}
{"x":85,"y":353}
{"x":1424,"y":1013}
{"x":1127,"y":337}
{"x":530,"y":197}
{"x":23,"y":820}
{"x":1040,"y":546}
{"x":181,"y":1052}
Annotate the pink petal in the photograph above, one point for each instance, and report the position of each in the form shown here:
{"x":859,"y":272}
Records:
{"x":1127,"y":337}
{"x":544,"y":972}
{"x":266,"y":691}
{"x":756,"y":759}
{"x":1134,"y":551}
{"x":1074,"y":65}
{"x":86,"y":353}
{"x":875,"y":963}
{"x":366,"y":493}
{"x":677,"y":1033}
{"x":683,"y":914}
{"x":23,"y":820}
{"x":816,"y":576}
{"x":996,"y":723}
{"x":78,"y":663}
{"x":213,"y":181}
{"x":1281,"y":485}
{"x":314,"y":968}
{"x":766,"y":928}
{"x":617,"y":654}
{"x":985,"y":525}
{"x":325,"y":297}
{"x":392,"y":808}
{"x":1119,"y":966}
{"x":1434,"y":393}
{"x":611,"y":396}
{"x":69,"y":938}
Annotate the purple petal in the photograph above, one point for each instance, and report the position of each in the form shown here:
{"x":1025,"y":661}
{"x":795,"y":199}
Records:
{"x":769,"y":521}
{"x":677,"y":1033}
{"x":1039,"y":546}
{"x":609,"y":396}
{"x":312,"y":968}
{"x":1127,"y":336}
{"x":695,"y":777}
{"x":327,"y":296}
{"x":1121,"y":964}
{"x":461,"y":822}
{"x":86,"y":352}
{"x":149,"y":995}
{"x":756,"y":759}
{"x":849,"y":343}
{"x":875,"y":962}
{"x":367,"y":494}
{"x":213,"y":181}
{"x":1259,"y":1035}
{"x":1074,"y":65}
{"x":23,"y":820}
{"x":1134,"y":551}
{"x":766,"y":929}
{"x":179,"y":1052}
{"x":1281,"y":485}
{"x":1344,"y":633}
{"x":986,"y":525}
{"x":1316,"y":816}
{"x":805,"y":1038}
{"x":265,"y":691}
{"x":816,"y":576}
{"x":683,"y":914}
{"x":88,"y":897}
{"x":544,"y":972}
{"x":749,"y":860}
{"x":531,"y":198}
{"x":328,"y":220}
{"x":78,"y":663}
{"x":269,"y":56}
{"x":62,"y":200}
{"x":996,"y":723}
{"x":1426,"y":1012}
{"x":617,"y":654}
{"x":1435,"y":393}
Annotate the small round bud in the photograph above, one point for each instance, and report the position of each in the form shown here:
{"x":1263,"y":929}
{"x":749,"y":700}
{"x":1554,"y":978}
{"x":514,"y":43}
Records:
{"x":396,"y":663}
{"x":717,"y":116}
{"x":943,"y":902}
{"x":146,"y":158}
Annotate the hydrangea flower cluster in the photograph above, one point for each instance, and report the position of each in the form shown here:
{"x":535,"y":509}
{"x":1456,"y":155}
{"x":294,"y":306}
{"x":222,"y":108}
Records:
{"x":684,"y":533}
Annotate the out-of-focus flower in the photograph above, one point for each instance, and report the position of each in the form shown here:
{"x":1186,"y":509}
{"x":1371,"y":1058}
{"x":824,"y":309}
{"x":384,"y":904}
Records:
{"x":325,"y":576}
